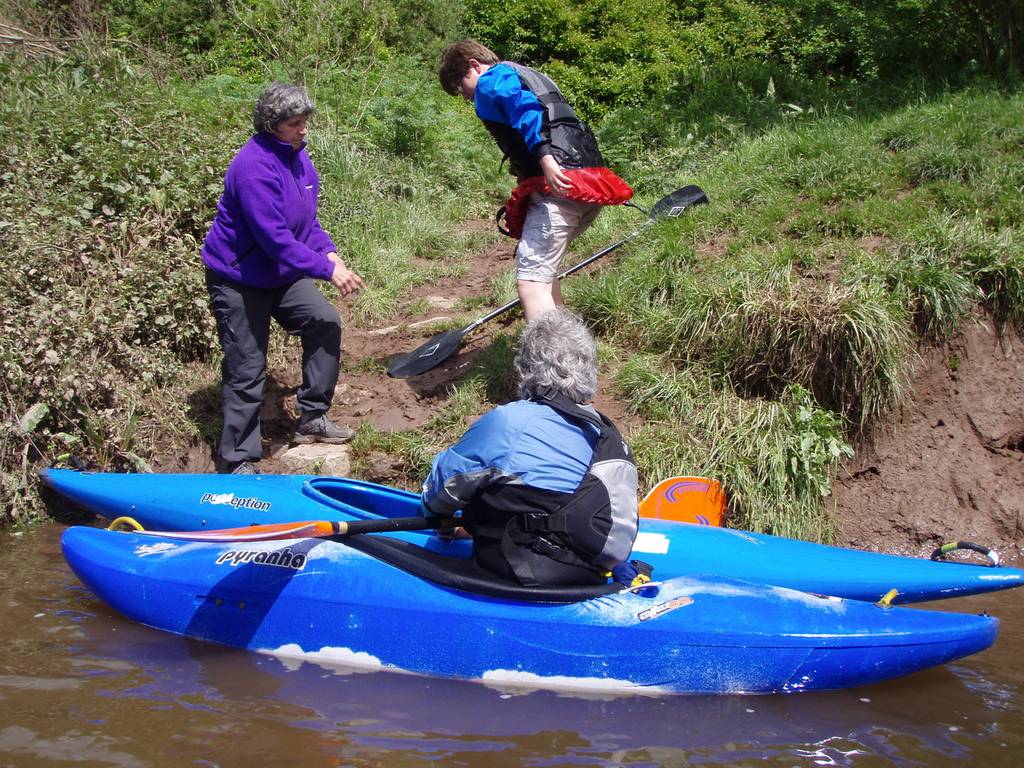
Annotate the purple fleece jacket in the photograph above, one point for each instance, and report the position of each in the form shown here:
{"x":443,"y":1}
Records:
{"x":266,"y":233}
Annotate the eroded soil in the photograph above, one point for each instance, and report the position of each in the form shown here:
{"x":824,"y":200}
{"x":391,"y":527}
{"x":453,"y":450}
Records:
{"x":950,"y":464}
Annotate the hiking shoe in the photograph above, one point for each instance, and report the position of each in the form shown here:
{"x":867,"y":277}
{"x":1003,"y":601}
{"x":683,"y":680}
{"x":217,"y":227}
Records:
{"x":322,"y":430}
{"x":244,"y":468}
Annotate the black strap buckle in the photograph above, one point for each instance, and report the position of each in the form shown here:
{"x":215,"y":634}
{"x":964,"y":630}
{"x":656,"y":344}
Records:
{"x":534,"y":522}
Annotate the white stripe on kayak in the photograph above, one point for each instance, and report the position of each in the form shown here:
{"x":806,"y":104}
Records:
{"x":511,"y":678}
{"x":217,"y":537}
{"x":652,"y":543}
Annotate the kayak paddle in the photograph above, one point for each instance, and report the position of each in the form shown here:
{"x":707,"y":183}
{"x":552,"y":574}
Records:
{"x":439,"y":348}
{"x":308,"y":529}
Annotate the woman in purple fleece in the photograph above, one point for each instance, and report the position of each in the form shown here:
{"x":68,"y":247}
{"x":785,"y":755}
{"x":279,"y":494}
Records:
{"x":262,"y":253}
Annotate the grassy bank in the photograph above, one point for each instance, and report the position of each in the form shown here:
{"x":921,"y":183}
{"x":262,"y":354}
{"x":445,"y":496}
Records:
{"x":785,"y":316}
{"x":754,"y":337}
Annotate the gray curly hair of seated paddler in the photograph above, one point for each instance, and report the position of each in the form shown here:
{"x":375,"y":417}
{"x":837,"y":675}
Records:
{"x":278,"y":102}
{"x":557,"y":352}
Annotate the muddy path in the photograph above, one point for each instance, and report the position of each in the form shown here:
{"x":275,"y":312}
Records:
{"x":364,"y":392}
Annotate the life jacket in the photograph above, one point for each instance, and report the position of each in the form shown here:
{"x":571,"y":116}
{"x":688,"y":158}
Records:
{"x":543,"y":537}
{"x":589,"y":185}
{"x":571,"y":141}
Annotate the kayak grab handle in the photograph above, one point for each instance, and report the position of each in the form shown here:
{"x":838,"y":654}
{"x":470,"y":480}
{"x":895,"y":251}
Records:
{"x":952,"y":546}
{"x":124,"y":523}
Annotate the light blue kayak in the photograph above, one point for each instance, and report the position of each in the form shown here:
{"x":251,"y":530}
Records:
{"x":205,"y":501}
{"x":378,"y":602}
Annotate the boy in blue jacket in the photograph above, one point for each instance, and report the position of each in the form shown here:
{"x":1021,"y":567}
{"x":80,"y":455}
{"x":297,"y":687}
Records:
{"x":563,"y":181}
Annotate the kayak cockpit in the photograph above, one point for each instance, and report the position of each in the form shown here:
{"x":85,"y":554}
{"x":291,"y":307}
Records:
{"x":360,"y":499}
{"x":463,"y":574}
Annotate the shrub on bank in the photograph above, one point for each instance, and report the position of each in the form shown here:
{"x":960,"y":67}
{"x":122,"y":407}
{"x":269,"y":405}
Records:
{"x":635,"y":53}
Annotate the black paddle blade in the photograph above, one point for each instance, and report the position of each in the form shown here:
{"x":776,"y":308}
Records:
{"x":674,"y":204}
{"x":431,"y":353}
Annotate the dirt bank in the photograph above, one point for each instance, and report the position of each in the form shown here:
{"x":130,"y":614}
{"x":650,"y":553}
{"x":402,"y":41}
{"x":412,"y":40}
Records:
{"x":950,"y":464}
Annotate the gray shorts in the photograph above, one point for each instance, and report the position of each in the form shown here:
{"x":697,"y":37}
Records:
{"x":551,"y":224}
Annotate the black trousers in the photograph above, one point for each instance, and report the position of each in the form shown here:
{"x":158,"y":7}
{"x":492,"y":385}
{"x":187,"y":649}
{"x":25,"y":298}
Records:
{"x":243,"y":317}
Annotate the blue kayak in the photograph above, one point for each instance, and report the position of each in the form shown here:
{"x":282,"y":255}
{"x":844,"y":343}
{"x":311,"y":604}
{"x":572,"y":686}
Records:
{"x":378,"y":602}
{"x":187,"y":502}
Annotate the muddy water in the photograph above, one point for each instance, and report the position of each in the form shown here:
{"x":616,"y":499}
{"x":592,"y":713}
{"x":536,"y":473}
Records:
{"x":80,"y":685}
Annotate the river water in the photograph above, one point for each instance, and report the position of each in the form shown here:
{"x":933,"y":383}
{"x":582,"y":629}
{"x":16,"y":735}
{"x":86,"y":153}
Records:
{"x":79,"y":685}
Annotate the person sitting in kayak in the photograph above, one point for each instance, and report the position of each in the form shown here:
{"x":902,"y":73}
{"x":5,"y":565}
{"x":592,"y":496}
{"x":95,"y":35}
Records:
{"x":546,"y":484}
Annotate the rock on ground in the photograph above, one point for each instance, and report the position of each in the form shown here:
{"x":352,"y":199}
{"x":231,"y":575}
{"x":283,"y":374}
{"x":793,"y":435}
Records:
{"x":317,"y":459}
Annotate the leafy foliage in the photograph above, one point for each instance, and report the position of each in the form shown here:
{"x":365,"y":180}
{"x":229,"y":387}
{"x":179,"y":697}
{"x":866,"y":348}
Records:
{"x":626,"y":53}
{"x":255,"y":39}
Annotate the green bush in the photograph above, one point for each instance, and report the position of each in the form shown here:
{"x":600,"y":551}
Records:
{"x":609,"y":55}
{"x":102,"y":206}
{"x":258,"y":39}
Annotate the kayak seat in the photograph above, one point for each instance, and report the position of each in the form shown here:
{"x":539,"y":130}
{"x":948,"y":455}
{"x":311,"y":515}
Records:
{"x":464,"y":574}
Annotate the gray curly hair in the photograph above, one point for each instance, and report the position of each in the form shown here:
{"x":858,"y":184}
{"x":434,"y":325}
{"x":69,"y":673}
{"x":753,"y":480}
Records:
{"x":557,"y":352}
{"x":278,"y":102}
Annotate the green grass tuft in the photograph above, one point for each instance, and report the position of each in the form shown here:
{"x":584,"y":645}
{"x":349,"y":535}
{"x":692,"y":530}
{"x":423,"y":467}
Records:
{"x":775,"y":458}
